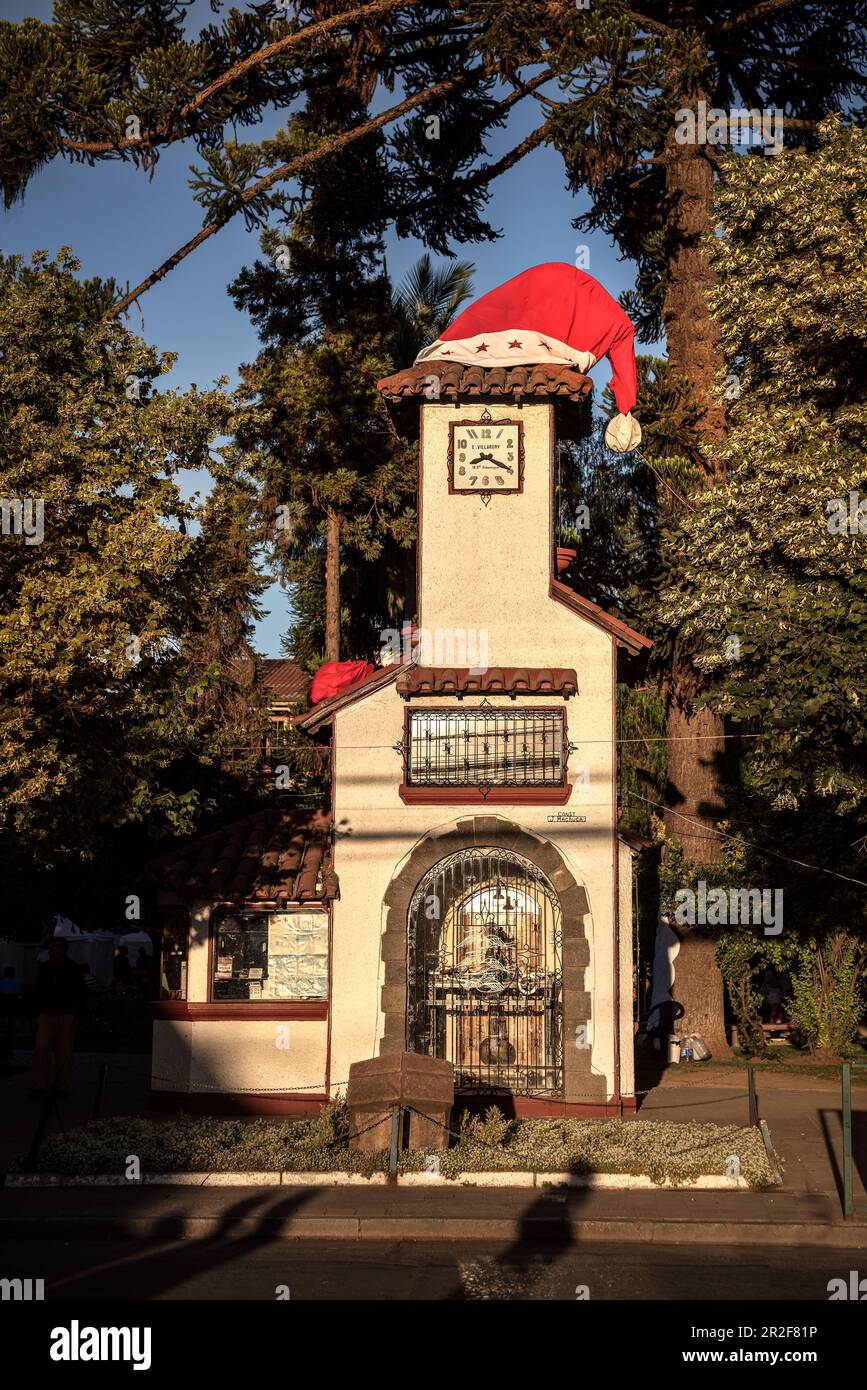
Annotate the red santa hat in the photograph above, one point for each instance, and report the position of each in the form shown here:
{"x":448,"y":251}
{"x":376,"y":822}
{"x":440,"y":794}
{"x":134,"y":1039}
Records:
{"x":552,"y":313}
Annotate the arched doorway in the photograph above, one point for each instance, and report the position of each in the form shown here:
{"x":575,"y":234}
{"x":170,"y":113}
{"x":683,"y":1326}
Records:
{"x":484,"y":972}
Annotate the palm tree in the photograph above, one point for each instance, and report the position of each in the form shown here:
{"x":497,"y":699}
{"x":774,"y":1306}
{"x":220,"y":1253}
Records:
{"x":425,"y":303}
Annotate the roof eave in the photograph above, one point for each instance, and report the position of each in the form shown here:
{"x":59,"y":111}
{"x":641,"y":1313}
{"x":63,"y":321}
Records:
{"x":623,"y":634}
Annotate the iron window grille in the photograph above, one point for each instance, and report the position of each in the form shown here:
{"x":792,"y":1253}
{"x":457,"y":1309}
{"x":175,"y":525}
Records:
{"x":485,"y":973}
{"x":486,"y":747}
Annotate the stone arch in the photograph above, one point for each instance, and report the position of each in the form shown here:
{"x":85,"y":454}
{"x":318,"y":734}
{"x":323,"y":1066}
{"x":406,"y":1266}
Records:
{"x":485,"y":830}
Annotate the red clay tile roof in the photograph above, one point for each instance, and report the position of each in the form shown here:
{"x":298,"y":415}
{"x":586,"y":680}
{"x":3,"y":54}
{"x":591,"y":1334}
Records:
{"x":570,"y":390}
{"x":272,"y":856}
{"x":284,"y":679}
{"x":462,"y":379}
{"x":497,"y":680}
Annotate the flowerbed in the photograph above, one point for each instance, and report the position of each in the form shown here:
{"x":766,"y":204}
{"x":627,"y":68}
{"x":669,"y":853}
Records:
{"x":664,"y":1152}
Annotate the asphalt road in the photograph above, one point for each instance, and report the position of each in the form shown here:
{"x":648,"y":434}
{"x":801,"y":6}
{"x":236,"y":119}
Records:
{"x":255,"y":1269}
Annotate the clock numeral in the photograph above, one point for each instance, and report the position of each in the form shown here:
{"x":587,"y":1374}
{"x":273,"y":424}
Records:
{"x":486,"y":434}
{"x":500,"y":482}
{"x":474,"y":480}
{"x":510,"y":458}
{"x":462,"y":471}
{"x":462,"y":443}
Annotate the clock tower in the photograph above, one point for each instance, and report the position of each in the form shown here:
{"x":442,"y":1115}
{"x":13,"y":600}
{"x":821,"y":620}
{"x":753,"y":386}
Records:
{"x":487,"y":450}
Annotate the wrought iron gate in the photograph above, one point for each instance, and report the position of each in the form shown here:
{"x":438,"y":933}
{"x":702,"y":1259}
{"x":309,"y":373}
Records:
{"x":484,"y":976}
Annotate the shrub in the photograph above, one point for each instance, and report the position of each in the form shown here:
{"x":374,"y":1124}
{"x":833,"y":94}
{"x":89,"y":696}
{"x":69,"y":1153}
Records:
{"x":827,"y":1001}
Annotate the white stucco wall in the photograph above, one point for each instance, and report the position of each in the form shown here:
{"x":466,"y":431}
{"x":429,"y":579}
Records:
{"x":235,"y":1054}
{"x":481,"y":567}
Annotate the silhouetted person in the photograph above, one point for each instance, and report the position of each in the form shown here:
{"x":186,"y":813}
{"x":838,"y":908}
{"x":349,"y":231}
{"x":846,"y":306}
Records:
{"x":142,"y":971}
{"x":122,"y":969}
{"x":772,"y":989}
{"x":91,"y":984}
{"x":60,"y":999}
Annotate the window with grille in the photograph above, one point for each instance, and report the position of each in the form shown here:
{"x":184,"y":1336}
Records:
{"x":486,"y":747}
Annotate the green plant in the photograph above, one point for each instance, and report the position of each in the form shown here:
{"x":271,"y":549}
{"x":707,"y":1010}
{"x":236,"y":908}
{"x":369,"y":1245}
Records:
{"x":492,"y":1130}
{"x":738,"y":955}
{"x":827,"y":1001}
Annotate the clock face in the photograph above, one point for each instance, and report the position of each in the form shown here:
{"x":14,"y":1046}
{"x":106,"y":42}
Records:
{"x":486,"y":456}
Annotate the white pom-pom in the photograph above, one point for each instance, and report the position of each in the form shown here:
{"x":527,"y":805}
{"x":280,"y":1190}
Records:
{"x":623,"y":434}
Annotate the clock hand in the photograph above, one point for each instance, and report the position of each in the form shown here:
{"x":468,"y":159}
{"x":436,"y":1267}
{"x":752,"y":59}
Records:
{"x":489,"y":458}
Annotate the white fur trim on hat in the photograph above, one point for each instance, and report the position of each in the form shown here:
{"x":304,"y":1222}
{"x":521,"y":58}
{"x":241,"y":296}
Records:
{"x":513,"y":347}
{"x":623,"y":434}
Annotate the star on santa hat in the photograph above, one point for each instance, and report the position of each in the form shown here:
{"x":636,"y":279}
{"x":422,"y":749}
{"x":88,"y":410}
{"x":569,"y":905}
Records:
{"x":563,"y":313}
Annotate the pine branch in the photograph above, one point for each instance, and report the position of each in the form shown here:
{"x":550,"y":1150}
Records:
{"x":162,"y":133}
{"x":289,"y":170}
{"x":757,"y":12}
{"x":493,"y":171}
{"x":799,"y":64}
{"x":654,"y":25}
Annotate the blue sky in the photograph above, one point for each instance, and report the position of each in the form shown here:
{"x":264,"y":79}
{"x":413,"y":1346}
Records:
{"x":123,"y":225}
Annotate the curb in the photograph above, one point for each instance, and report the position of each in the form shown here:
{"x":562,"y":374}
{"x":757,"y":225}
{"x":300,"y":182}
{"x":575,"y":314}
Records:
{"x":627,"y":1182}
{"x":773,"y":1159}
{"x":813,"y":1234}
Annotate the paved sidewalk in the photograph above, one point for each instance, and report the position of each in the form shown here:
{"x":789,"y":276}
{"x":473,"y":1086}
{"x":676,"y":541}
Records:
{"x":170,"y":1214}
{"x":127,"y":1092}
{"x":804,"y":1115}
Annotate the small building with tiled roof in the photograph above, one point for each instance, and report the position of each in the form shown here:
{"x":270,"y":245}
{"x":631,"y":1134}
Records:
{"x":287,"y":684}
{"x":470,"y":897}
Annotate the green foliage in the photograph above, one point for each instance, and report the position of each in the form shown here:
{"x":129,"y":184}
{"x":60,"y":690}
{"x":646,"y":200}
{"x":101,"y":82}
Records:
{"x":118,"y":629}
{"x":618,"y":78}
{"x":668,"y":1153}
{"x":793,"y":593}
{"x":742,"y":953}
{"x":642,"y":757}
{"x":425,"y":303}
{"x":827,"y":1002}
{"x":756,"y":561}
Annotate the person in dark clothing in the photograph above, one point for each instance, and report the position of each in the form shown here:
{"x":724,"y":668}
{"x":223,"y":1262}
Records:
{"x":122,"y":970}
{"x":60,"y":998}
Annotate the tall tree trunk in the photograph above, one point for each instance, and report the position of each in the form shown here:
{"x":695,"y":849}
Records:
{"x":695,"y":792}
{"x":691,"y":333}
{"x":698,"y":986}
{"x":695,"y":738}
{"x":332,"y":584}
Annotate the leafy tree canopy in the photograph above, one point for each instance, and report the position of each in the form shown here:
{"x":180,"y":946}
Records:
{"x":115,"y":622}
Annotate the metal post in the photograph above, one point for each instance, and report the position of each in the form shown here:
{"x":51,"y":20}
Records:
{"x":848,"y":1193}
{"x":395,"y":1141}
{"x":754,"y":1102}
{"x":100,"y":1090}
